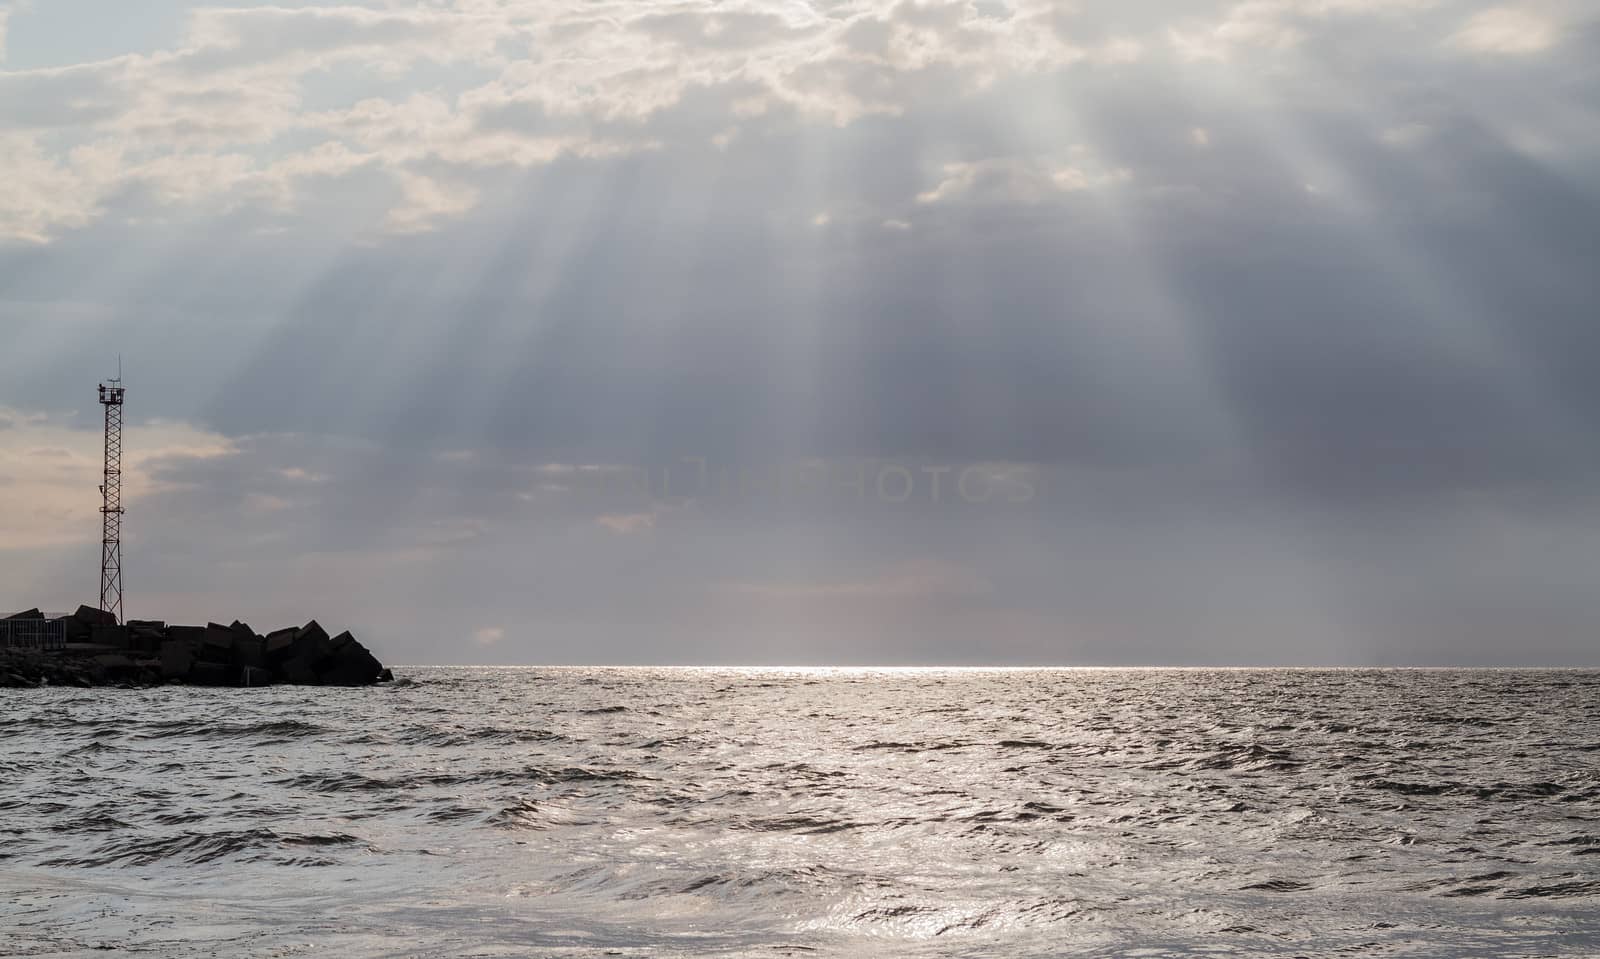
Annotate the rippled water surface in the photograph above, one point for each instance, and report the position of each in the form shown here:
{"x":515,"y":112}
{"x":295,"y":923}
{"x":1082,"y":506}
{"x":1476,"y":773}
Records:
{"x":635,"y":812}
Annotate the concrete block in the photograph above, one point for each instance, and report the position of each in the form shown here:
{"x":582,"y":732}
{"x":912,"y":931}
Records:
{"x":351,"y":665}
{"x":114,"y":636}
{"x":219,"y":636}
{"x":194,"y":635}
{"x":279,"y":645}
{"x":311,"y":643}
{"x":300,"y":672}
{"x":175,"y":659}
{"x":89,"y":616}
{"x":250,"y":651}
{"x":214,"y":654}
{"x":212,"y":674}
{"x":145,"y":640}
{"x":254,"y":676}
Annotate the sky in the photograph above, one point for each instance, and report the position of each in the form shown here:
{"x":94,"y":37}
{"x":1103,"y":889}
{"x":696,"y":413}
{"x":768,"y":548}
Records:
{"x":1002,"y":332}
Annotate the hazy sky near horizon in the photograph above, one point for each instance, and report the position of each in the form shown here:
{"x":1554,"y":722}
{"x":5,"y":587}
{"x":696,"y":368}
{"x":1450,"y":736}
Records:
{"x":845,"y":331}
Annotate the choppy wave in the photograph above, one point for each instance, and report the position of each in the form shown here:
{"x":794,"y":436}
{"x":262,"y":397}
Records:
{"x":766,"y":813}
{"x":203,"y":847}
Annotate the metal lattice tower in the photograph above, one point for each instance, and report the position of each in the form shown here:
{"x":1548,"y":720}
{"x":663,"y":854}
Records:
{"x":111,"y":508}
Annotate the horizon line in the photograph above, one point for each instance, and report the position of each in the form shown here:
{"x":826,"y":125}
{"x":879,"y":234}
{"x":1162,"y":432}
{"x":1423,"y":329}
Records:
{"x":1003,"y":668}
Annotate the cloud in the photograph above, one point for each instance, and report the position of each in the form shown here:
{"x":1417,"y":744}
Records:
{"x":427,"y":200}
{"x":626,"y":523}
{"x":203,"y":120}
{"x":489,"y":635}
{"x":245,"y":38}
{"x":1406,"y":135}
{"x":224,"y":120}
{"x":1013,"y":180}
{"x":15,"y":419}
{"x":1513,"y":31}
{"x":41,"y":194}
{"x":56,"y":469}
{"x":266,"y":503}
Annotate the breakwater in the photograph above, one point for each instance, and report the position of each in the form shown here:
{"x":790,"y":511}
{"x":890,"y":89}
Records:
{"x":89,"y":648}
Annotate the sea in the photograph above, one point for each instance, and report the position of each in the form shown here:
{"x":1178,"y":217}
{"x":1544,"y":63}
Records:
{"x":497,"y":812}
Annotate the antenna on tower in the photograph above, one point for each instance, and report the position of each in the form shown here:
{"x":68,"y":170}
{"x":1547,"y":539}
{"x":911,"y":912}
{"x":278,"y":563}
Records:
{"x":111,"y":496}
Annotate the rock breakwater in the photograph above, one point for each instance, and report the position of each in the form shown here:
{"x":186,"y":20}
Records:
{"x":89,"y":648}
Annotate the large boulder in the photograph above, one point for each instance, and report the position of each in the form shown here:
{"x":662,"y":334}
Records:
{"x":16,"y":679}
{"x":117,"y":667}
